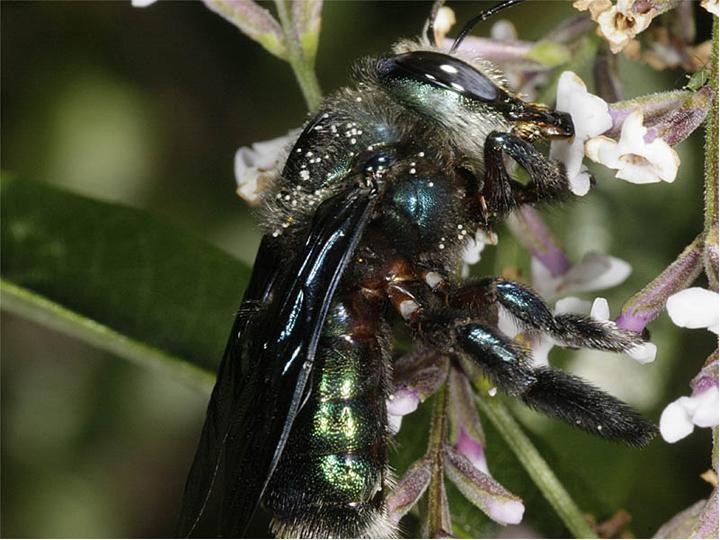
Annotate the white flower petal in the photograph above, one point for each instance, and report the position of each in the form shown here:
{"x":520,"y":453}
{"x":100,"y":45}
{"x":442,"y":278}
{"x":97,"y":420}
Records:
{"x":142,"y":3}
{"x":402,"y":402}
{"x":600,"y":309}
{"x":541,"y":350}
{"x":676,"y":421}
{"x":591,"y":117}
{"x":473,"y":249}
{"x":394,"y":423}
{"x":444,"y":20}
{"x":252,"y":162}
{"x":505,"y":511}
{"x":644,"y":353}
{"x":580,"y":183}
{"x":595,"y":272}
{"x":634,"y":159}
{"x":694,"y":308}
{"x":572,"y":304}
{"x":503,"y":30}
{"x":507,"y":324}
{"x":713,"y":6}
{"x":620,"y":24}
{"x":706,"y":414}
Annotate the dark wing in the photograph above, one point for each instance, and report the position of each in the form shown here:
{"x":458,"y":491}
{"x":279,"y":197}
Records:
{"x":268,"y":360}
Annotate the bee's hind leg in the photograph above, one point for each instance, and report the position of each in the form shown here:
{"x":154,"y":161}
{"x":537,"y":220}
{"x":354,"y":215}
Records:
{"x":464,"y":325}
{"x":550,"y":391}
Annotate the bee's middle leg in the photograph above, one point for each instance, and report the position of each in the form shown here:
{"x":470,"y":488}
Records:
{"x":531,"y":312}
{"x":464,"y":326}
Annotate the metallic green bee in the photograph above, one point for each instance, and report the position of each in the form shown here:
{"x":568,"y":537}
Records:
{"x":365,"y":224}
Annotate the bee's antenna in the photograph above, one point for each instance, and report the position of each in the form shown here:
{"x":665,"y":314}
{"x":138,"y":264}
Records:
{"x":479,"y":18}
{"x":429,"y":28}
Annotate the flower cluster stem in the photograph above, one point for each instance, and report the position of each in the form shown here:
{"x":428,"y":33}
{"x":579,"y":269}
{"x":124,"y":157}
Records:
{"x":437,"y":506}
{"x":711,"y":139}
{"x":302,"y":66}
{"x":537,"y":467}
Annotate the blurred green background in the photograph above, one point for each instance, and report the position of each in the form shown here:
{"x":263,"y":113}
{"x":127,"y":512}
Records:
{"x":147,"y":107}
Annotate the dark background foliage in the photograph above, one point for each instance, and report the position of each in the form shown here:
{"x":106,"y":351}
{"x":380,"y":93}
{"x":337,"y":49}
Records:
{"x":146,"y":107}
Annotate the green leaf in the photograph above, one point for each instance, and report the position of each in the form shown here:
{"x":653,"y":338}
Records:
{"x":117,"y":278}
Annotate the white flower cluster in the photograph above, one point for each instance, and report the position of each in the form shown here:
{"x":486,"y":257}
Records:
{"x":694,"y":308}
{"x":618,"y":23}
{"x":254,"y":164}
{"x":635,"y":158}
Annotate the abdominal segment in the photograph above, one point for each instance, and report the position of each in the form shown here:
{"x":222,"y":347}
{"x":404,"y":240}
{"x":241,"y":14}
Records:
{"x":332,"y":476}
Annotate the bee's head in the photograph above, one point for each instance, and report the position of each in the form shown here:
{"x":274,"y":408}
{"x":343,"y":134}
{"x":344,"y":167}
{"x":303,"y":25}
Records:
{"x":437,"y":85}
{"x":458,"y":94}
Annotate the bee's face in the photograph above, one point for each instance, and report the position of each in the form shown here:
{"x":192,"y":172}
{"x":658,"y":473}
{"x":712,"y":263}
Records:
{"x":445,"y":88}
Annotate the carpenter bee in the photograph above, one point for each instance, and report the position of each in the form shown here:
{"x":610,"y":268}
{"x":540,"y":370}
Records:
{"x":365,"y":224}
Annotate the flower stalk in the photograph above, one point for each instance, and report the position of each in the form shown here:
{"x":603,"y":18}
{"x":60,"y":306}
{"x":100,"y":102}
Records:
{"x":536,"y":466}
{"x":711,"y":140}
{"x":438,"y":519}
{"x":644,"y":306}
{"x":301,"y":59}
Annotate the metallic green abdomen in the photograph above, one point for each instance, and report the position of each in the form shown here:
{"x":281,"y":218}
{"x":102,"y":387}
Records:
{"x":332,"y":473}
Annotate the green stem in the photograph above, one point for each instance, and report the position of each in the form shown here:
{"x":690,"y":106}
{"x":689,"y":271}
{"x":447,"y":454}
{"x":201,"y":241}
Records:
{"x":438,"y":519}
{"x":302,"y":66}
{"x":536,"y":467}
{"x":711,"y":140}
{"x":27,"y":304}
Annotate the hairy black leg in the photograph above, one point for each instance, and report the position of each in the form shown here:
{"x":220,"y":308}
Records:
{"x":581,"y":404}
{"x":507,"y":363}
{"x":551,"y":391}
{"x":548,"y":177}
{"x":465,"y":326}
{"x":528,"y":308}
{"x":498,"y":186}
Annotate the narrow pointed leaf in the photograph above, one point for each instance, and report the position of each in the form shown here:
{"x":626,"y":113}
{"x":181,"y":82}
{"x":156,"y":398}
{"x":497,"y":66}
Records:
{"x":112,"y":273}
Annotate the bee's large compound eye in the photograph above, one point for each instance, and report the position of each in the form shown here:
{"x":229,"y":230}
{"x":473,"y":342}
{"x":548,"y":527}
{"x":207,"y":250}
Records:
{"x":439,"y":70}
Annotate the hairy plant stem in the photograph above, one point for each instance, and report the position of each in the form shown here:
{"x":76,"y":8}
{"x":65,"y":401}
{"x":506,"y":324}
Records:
{"x":302,"y":66}
{"x":711,"y":181}
{"x":536,"y":466}
{"x":437,"y":519}
{"x":711,"y":140}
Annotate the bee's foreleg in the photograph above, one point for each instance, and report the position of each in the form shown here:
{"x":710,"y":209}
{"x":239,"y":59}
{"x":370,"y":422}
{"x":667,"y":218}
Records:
{"x":548,"y":179}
